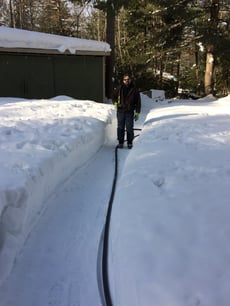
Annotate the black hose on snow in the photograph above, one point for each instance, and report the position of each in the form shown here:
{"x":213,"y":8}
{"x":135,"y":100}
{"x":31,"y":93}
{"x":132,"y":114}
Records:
{"x":105,"y":274}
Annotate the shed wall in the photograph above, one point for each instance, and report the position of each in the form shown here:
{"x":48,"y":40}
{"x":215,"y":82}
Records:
{"x":46,"y":76}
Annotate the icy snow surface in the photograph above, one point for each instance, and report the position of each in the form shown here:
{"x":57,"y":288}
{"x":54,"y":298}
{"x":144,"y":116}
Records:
{"x":169,"y":235}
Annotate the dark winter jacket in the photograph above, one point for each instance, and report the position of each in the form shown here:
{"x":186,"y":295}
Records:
{"x":128,"y":98}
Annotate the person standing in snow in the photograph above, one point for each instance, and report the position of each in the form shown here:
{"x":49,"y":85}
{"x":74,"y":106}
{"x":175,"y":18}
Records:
{"x":127,"y":101}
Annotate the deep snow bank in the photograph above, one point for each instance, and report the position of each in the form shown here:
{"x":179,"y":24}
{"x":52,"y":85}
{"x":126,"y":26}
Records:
{"x":169,"y":233}
{"x":42,"y":143}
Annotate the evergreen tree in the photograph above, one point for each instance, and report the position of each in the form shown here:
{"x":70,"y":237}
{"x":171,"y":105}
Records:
{"x":20,"y":13}
{"x":213,"y":33}
{"x":168,"y":36}
{"x":152,"y":35}
{"x":148,"y":38}
{"x":81,"y":15}
{"x":55,"y":17}
{"x":96,"y":25}
{"x":111,"y":8}
{"x":4,"y":13}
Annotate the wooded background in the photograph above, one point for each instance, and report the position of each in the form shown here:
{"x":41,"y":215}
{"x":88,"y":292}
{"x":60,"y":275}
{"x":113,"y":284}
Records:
{"x":181,"y":46}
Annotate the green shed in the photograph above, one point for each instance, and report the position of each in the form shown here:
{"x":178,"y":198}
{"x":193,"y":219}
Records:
{"x":40,"y":65}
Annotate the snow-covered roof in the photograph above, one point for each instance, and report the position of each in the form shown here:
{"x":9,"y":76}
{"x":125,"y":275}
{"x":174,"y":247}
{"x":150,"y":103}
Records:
{"x":24,"y":40}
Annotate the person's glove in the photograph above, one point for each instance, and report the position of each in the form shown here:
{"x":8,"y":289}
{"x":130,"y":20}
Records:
{"x":115,"y":105}
{"x":136,"y":117}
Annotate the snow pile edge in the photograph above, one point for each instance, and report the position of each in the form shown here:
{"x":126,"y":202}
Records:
{"x":29,"y":200}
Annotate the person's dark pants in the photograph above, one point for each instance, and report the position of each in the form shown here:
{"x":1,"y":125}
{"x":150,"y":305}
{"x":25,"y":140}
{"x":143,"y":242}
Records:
{"x":125,"y":120}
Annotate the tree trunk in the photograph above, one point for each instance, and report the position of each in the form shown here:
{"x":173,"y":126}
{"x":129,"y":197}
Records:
{"x":208,"y":79}
{"x":110,"y":60}
{"x":118,"y":42}
{"x":12,"y":16}
{"x":214,"y":20}
{"x":178,"y":71}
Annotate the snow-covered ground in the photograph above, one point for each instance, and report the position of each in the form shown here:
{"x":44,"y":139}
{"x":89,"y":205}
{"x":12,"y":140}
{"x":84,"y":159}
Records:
{"x":42,"y":143}
{"x":169,"y":234}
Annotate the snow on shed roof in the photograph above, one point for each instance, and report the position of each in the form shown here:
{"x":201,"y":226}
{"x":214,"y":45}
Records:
{"x":16,"y":39}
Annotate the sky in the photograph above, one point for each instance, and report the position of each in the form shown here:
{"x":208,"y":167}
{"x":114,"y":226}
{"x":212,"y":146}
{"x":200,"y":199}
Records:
{"x":169,"y":231}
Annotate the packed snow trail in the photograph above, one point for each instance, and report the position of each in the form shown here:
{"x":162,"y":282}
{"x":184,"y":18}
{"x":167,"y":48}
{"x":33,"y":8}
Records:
{"x":58,"y":264}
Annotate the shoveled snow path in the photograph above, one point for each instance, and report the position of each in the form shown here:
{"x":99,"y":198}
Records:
{"x":58,"y":264}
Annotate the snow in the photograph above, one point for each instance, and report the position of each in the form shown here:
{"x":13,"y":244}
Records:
{"x":170,"y":222}
{"x":17,"y":38}
{"x":42,"y":143}
{"x":157,"y":95}
{"x":169,"y":231}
